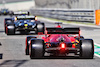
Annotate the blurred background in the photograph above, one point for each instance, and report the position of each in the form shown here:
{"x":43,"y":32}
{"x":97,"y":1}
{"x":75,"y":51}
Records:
{"x":73,"y":13}
{"x":17,"y":4}
{"x":68,"y":4}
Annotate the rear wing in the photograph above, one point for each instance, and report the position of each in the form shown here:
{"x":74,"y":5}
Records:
{"x":21,"y":13}
{"x":63,"y":30}
{"x":26,"y":17}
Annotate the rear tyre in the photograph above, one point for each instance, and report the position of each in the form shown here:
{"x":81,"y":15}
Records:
{"x":27,"y":44}
{"x":10,"y":31}
{"x":40,"y":27}
{"x":87,"y":48}
{"x":27,"y":51}
{"x":37,"y":48}
{"x":5,"y":29}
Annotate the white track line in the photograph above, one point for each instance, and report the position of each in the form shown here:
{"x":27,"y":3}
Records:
{"x":95,"y":53}
{"x":97,"y":44}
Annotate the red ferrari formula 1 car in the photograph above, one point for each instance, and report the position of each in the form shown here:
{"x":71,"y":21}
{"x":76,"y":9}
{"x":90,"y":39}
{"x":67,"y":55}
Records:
{"x":60,"y":41}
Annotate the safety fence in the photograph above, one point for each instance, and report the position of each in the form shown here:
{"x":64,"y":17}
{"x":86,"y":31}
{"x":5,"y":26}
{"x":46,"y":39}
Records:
{"x":79,"y":15}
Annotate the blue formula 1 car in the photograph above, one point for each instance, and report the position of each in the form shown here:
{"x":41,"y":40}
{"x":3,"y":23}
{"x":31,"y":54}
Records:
{"x":24,"y":24}
{"x":12,"y":19}
{"x":6,"y":12}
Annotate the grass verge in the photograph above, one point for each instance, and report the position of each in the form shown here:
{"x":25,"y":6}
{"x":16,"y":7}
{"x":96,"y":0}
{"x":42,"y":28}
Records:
{"x":64,"y":21}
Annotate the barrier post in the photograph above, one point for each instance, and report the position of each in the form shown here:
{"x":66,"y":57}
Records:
{"x":97,"y":17}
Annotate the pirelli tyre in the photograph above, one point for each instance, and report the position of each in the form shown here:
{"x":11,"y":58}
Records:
{"x":5,"y":29}
{"x":37,"y":48}
{"x":5,"y":26}
{"x":28,"y":38}
{"x":87,"y":48}
{"x":40,"y":28}
{"x":10,"y":29}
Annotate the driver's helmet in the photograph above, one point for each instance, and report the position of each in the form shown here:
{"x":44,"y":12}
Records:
{"x":62,"y":39}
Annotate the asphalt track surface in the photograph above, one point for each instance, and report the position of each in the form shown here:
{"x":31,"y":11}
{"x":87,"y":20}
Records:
{"x":13,"y":49}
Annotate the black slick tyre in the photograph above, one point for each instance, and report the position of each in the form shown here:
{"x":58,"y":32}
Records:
{"x":28,"y":38}
{"x":10,"y":31}
{"x":37,"y":48}
{"x":87,"y":49}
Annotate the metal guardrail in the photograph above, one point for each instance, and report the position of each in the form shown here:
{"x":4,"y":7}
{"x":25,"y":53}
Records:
{"x":79,"y":15}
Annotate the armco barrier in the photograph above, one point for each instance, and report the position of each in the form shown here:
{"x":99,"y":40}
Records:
{"x":80,"y":15}
{"x":97,"y":17}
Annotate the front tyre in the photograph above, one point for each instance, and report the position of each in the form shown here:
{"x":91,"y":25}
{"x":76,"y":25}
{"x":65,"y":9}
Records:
{"x":5,"y":29}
